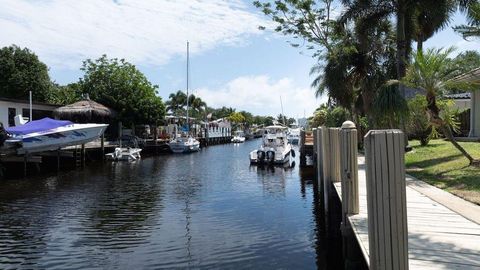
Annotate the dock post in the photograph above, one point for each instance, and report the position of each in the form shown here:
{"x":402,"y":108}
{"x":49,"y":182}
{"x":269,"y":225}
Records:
{"x":102,"y":145}
{"x":303,"y":158}
{"x":319,"y":161}
{"x":386,"y":199}
{"x":83,"y":155}
{"x":349,"y":169}
{"x":25,"y":160}
{"x":335,"y":154}
{"x":58,"y":159}
{"x":350,"y":193}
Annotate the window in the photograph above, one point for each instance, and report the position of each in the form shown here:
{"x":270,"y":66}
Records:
{"x":36,"y":114}
{"x":11,"y":116}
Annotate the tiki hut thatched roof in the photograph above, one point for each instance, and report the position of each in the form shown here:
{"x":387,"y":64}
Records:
{"x":85,"y":111}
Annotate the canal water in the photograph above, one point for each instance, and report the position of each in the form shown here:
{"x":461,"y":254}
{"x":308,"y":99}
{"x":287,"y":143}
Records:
{"x":209,"y":209}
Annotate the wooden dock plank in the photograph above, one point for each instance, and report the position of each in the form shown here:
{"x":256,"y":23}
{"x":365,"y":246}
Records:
{"x":438,"y":238}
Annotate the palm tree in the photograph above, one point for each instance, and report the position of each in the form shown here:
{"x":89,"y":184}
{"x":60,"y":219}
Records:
{"x":473,"y":27}
{"x":358,"y":65}
{"x":197,"y":105}
{"x":176,"y":103}
{"x":414,"y":20}
{"x":430,"y":71}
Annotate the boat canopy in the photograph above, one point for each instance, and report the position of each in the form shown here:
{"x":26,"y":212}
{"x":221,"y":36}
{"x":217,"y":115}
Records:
{"x":43,"y":124}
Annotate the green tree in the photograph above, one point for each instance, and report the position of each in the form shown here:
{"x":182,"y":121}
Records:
{"x":307,"y":20}
{"x":176,"y":102}
{"x":121,"y":86}
{"x":222,"y":112}
{"x":430,"y":72}
{"x":196,"y":106}
{"x":465,"y":62}
{"x":237,"y":118}
{"x":472,"y":29}
{"x":20,"y":72}
{"x":414,"y":20}
{"x":64,"y":94}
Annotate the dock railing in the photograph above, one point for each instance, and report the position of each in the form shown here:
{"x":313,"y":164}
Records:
{"x":337,"y":161}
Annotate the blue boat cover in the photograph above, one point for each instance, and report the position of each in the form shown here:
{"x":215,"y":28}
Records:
{"x":37,"y":125}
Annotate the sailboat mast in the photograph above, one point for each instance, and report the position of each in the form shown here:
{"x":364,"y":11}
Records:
{"x":188,"y":67}
{"x":283,"y":115}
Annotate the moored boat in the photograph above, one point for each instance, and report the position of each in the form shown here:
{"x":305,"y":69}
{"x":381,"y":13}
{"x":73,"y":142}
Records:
{"x":275,"y":148}
{"x":293,"y":135}
{"x":48,"y":134}
{"x":239,"y":137}
{"x":124,"y":154}
{"x":186,"y":144}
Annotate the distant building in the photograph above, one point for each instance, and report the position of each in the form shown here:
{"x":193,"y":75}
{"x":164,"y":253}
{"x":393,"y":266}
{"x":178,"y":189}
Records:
{"x":473,"y":77}
{"x":462,"y":100}
{"x":9,"y":108}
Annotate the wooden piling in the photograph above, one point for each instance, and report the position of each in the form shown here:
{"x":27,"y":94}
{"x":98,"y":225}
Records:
{"x":58,"y":159}
{"x":83,"y":154}
{"x":386,"y":199}
{"x":349,"y":169}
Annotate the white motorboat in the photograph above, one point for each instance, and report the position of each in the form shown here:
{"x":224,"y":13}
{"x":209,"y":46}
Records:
{"x":48,"y":134}
{"x":275,"y":148}
{"x":184,"y":145}
{"x":124,"y":154}
{"x":239,"y":137}
{"x":293,"y":135}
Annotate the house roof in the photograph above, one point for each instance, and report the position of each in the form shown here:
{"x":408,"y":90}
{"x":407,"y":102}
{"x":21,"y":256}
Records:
{"x":460,"y":96}
{"x":471,"y":76}
{"x":12,"y":100}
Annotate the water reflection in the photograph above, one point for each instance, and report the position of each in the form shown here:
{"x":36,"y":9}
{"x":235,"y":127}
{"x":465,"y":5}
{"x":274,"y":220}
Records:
{"x":206,"y":210}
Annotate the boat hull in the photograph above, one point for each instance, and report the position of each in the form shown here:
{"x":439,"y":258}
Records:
{"x":182,"y":148}
{"x":59,"y":138}
{"x":238,"y":140}
{"x":124,"y":154}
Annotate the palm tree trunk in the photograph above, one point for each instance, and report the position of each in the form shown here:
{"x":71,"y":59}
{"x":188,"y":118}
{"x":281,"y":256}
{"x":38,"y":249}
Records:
{"x":420,"y":43}
{"x":437,"y":121}
{"x":401,"y":56}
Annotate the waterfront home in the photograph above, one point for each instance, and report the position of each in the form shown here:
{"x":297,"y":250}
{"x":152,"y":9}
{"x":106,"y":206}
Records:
{"x":473,"y":77}
{"x":9,"y":108}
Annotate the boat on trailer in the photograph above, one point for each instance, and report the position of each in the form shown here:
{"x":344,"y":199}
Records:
{"x":48,"y":134}
{"x":275,"y":148}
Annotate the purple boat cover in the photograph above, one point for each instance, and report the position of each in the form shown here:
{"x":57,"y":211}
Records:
{"x":37,"y":125}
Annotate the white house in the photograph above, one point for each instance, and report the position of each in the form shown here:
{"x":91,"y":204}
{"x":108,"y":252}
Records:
{"x":9,"y":108}
{"x":473,"y":76}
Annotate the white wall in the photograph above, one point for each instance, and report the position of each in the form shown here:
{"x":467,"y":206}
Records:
{"x":462,"y":104}
{"x":475,"y":115}
{"x":4,"y":105}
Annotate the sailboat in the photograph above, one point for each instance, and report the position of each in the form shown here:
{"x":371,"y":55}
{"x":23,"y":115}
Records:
{"x":185,"y":143}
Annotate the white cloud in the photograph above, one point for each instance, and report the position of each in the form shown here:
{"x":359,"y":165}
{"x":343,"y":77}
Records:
{"x":467,"y":45}
{"x":65,"y":32}
{"x":261,"y":95}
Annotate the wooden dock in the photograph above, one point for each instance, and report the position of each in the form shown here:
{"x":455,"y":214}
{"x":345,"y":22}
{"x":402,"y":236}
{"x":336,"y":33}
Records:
{"x":438,"y":238}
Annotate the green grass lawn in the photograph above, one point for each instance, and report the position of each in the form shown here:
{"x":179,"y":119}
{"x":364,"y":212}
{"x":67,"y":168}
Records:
{"x":441,"y":164}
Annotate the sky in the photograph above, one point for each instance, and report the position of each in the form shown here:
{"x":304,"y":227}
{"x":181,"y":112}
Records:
{"x":232,"y":62}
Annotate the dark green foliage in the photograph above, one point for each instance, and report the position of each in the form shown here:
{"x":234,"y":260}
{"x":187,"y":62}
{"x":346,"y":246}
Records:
{"x":303,"y":20}
{"x":472,"y":29}
{"x":20,"y":72}
{"x":119,"y":85}
{"x":177,"y":105}
{"x":329,"y":116}
{"x":64,"y":94}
